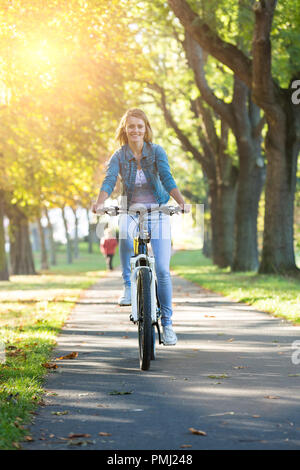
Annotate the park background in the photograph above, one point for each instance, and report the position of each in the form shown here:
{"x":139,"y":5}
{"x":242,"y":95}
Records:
{"x":219,"y":83}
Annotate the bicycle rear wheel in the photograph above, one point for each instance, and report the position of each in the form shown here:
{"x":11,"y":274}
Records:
{"x":144,"y":318}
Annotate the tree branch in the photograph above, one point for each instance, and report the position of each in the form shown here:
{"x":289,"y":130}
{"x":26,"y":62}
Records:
{"x":196,"y":61}
{"x":187,"y":145}
{"x":225,"y":52}
{"x":263,"y":86}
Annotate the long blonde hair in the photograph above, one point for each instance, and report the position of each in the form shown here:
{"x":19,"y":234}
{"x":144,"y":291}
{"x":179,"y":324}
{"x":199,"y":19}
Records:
{"x":121,"y":135}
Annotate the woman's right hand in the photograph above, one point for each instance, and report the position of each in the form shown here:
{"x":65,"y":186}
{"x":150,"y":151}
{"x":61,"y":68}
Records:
{"x":97,"y":208}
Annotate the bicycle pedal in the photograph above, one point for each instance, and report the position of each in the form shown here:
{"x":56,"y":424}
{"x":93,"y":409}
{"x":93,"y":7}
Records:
{"x":132,"y":319}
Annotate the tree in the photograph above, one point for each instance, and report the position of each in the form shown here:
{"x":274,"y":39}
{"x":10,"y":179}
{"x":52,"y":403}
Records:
{"x":219,"y":170}
{"x":243,"y":118}
{"x":63,"y":76}
{"x":282,"y":116}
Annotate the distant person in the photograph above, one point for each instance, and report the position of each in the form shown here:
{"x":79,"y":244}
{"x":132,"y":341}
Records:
{"x":108,"y":245}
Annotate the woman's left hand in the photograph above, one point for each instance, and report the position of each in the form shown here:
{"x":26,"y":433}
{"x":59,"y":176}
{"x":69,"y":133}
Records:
{"x":186,"y":208}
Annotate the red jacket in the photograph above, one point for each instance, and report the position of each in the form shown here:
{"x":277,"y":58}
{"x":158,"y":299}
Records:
{"x":108,"y":246}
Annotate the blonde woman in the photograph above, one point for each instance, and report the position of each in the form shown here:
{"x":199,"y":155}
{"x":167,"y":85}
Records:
{"x":146,"y":179}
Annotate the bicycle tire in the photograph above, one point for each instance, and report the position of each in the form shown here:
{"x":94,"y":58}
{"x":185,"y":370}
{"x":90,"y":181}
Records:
{"x":153,"y":354}
{"x":144,"y":318}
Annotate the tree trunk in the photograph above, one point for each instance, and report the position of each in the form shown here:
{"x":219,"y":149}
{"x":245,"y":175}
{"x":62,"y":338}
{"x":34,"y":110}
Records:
{"x":282,"y":148}
{"x":21,"y":258}
{"x":51,"y":240}
{"x":90,"y":234}
{"x":4,"y":276}
{"x":76,"y":249}
{"x":207,"y":242}
{"x":69,"y":242}
{"x":213,"y":195}
{"x":223,"y":200}
{"x":44,"y":256}
{"x":249,"y":190}
{"x":247,"y":128}
{"x":226,"y":211}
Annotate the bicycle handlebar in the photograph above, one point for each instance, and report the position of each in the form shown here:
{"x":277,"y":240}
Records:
{"x":115,"y":210}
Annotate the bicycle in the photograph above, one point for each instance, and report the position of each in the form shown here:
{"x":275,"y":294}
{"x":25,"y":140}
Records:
{"x":145,"y":306}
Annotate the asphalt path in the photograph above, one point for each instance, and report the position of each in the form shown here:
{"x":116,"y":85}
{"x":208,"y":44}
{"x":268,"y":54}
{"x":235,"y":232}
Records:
{"x":231,"y":376}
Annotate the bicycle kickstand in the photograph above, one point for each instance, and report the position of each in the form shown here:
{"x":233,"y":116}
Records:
{"x":158,"y":331}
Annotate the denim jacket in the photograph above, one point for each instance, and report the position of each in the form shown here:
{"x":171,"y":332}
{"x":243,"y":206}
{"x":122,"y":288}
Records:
{"x":154,"y":163}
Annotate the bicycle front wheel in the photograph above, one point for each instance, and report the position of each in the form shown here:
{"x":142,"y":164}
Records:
{"x":144,"y":318}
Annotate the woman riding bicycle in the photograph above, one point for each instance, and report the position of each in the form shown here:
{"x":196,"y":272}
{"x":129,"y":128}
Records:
{"x":147,"y":180}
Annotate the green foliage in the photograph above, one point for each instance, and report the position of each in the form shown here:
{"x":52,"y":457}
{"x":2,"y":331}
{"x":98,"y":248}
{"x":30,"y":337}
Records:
{"x":285,"y":41}
{"x":62,"y":85}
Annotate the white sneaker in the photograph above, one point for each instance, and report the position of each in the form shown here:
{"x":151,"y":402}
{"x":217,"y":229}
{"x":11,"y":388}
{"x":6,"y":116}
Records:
{"x":169,"y":337}
{"x":125,"y":299}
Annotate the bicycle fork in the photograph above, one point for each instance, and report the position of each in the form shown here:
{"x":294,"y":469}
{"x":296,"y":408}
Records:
{"x":134,"y":261}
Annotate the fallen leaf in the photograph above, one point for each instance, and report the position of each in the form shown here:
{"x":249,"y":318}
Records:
{"x":72,"y":355}
{"x":59,"y":413}
{"x":104,"y":434}
{"x":271,"y":397}
{"x":17,"y":445}
{"x":125,"y":337}
{"x":50,"y":365}
{"x":239,"y":367}
{"x":230,"y":340}
{"x":18,"y":425}
{"x":198,"y":432}
{"x":184,"y":446}
{"x":28,"y":438}
{"x":74,"y":435}
{"x":255,"y":416}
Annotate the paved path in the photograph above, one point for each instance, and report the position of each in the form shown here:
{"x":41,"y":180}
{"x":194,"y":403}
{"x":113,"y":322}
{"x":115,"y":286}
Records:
{"x":230,"y":375}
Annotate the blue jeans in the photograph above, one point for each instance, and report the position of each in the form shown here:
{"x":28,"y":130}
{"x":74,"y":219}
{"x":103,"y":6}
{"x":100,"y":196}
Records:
{"x":159,"y":228}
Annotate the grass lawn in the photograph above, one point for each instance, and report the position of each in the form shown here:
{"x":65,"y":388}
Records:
{"x":32,"y":311}
{"x":278,"y":295}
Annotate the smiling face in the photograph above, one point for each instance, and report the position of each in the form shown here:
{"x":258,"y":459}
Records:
{"x":135,"y":130}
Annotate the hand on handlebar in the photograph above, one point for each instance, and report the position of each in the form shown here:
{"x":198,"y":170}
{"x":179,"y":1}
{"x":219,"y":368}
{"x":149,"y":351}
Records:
{"x":186,"y":208}
{"x":98,"y":208}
